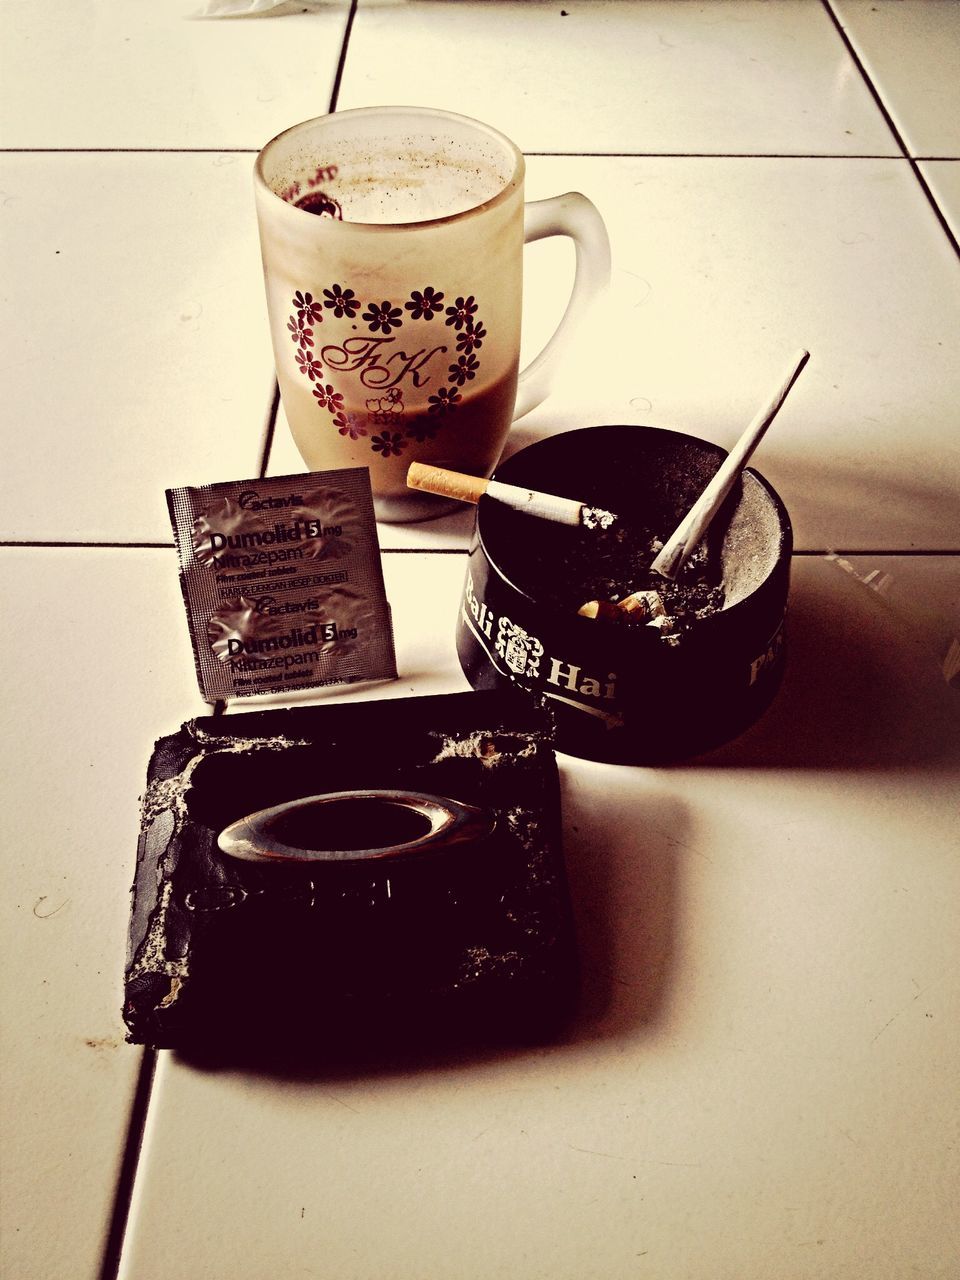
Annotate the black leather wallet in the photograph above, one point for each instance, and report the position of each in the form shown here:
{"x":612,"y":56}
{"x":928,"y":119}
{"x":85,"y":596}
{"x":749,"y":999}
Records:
{"x":383,"y":874}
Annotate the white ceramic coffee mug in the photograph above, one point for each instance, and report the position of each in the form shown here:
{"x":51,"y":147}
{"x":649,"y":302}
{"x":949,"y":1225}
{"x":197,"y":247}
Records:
{"x":392,"y":241}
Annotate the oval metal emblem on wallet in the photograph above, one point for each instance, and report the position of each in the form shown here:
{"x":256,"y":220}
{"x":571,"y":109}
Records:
{"x":354,"y":826}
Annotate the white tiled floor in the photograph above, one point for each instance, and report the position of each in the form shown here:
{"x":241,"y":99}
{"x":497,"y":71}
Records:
{"x":728,"y":79}
{"x":157,"y":76}
{"x":763,"y":1079}
{"x":178,"y":304}
{"x":909,"y":49}
{"x":104,"y":636}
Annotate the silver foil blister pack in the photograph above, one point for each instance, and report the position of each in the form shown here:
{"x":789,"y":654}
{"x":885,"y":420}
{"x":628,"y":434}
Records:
{"x":282,"y":583}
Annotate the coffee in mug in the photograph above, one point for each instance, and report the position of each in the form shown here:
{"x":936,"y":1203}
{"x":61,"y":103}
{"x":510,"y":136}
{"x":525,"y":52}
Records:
{"x":392,"y":242}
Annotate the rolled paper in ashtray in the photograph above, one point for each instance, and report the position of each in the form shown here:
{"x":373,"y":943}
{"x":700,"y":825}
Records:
{"x":685,"y":539}
{"x":466,"y":488}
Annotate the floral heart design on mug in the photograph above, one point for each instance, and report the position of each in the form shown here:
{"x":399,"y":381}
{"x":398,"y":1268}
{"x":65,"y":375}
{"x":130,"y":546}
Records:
{"x":381,"y":364}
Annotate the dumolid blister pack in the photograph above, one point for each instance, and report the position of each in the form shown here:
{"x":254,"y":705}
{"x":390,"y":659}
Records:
{"x":282,"y":583}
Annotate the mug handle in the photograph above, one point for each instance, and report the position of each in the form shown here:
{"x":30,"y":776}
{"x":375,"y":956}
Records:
{"x":575,"y":216}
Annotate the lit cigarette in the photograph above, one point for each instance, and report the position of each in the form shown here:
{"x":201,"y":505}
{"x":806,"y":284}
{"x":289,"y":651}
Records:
{"x":453,"y":484}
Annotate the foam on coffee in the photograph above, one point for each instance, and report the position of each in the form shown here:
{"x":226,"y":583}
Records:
{"x":394,"y":179}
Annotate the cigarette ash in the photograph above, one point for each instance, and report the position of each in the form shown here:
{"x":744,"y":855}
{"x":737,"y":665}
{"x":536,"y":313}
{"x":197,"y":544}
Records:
{"x":230,"y":742}
{"x":525,"y":828}
{"x":531,"y":922}
{"x":612,"y":566}
{"x":481,"y":962}
{"x":596,"y":518}
{"x":492,"y":747}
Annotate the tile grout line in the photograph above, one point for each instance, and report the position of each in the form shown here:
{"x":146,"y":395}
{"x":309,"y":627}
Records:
{"x":123,"y":151}
{"x":40,"y":545}
{"x":129,"y":1163}
{"x":269,"y":429}
{"x":342,"y":60}
{"x":916,"y":552}
{"x":55,"y":544}
{"x":934,"y":205}
{"x":546,"y":155}
{"x":866,"y":77}
{"x":271,"y":423}
{"x":913,"y":162}
{"x":133,"y":1145}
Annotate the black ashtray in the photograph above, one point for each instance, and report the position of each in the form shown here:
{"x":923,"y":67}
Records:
{"x":625,"y":693}
{"x":374,"y":875}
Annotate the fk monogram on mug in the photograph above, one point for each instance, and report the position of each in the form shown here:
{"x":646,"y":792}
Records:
{"x":384,"y":369}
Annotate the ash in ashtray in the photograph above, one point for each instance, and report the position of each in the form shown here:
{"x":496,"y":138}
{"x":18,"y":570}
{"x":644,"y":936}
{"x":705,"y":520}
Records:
{"x":610,"y":569}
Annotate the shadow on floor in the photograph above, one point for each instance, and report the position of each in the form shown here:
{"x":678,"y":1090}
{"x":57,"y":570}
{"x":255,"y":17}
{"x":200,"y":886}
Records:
{"x":864,"y":686}
{"x":627,"y":903}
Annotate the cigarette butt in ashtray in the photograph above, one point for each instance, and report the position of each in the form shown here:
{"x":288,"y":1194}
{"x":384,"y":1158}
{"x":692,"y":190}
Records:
{"x":603,"y":610}
{"x":638,"y":606}
{"x":466,"y":488}
{"x":645,"y":604}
